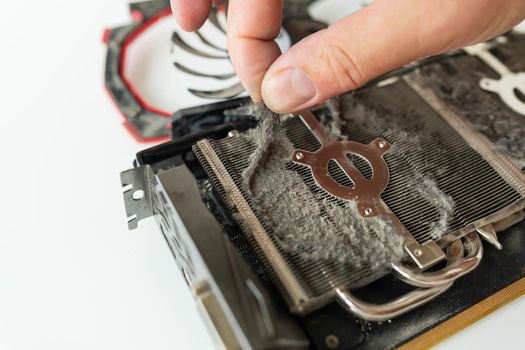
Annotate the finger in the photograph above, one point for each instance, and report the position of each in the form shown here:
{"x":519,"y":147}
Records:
{"x":379,"y":38}
{"x":252,"y":28}
{"x":191,"y":14}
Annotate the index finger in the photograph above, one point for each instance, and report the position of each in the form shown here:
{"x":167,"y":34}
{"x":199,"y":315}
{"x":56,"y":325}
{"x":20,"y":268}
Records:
{"x":191,"y":14}
{"x":253,"y":26}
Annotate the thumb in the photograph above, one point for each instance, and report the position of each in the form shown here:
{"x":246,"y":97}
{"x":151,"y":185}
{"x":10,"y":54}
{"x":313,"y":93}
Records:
{"x":379,"y":38}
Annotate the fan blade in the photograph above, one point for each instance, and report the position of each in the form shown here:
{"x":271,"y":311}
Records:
{"x":209,"y":43}
{"x":215,"y":20}
{"x":205,"y":75}
{"x":222,"y":94}
{"x":177,"y":40}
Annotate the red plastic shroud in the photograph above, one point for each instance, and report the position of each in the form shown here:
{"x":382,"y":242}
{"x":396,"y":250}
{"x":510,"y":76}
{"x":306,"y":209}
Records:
{"x":138,"y":17}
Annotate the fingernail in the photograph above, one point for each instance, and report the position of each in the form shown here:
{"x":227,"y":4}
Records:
{"x":288,"y":90}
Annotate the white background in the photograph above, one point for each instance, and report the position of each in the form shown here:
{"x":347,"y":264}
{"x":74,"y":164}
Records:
{"x":71,"y":275}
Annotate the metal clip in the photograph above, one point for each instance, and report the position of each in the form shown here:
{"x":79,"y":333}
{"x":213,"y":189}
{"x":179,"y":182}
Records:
{"x":137,"y":194}
{"x":366,"y":193}
{"x":489,"y":234}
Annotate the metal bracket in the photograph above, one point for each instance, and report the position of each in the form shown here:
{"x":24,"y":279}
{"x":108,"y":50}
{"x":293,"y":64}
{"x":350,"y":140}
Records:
{"x":509,"y":82}
{"x":366,"y":193}
{"x":137,"y":194}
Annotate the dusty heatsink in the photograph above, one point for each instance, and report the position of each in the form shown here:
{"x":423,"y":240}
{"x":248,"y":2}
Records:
{"x":460,"y":86}
{"x":440,"y":189}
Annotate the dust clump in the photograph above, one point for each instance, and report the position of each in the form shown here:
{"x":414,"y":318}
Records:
{"x":262,"y":137}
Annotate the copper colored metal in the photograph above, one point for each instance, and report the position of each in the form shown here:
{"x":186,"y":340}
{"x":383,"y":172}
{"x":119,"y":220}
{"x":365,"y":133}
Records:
{"x":365,"y":192}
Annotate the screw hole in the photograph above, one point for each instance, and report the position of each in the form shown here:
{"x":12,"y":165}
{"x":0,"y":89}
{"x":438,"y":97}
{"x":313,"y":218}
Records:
{"x":332,"y":341}
{"x":138,"y":195}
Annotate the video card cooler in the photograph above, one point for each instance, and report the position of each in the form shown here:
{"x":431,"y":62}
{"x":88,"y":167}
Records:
{"x":147,"y":118}
{"x":259,"y":294}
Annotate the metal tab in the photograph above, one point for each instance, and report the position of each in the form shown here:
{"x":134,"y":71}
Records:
{"x":137,"y":194}
{"x":489,"y":234}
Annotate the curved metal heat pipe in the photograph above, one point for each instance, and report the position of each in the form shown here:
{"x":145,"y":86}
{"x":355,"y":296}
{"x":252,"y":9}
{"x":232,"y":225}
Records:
{"x":392,"y":309}
{"x":432,"y":283}
{"x":448,"y":274}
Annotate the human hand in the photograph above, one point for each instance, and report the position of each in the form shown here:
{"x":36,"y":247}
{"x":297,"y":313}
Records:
{"x":358,"y":48}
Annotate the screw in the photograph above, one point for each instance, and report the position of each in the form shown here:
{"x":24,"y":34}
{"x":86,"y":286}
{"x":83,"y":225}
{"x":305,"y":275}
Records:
{"x":368,"y":211}
{"x":331,"y":341}
{"x":382,"y":144}
{"x":299,"y":156}
{"x":233,"y":133}
{"x":418,"y":252}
